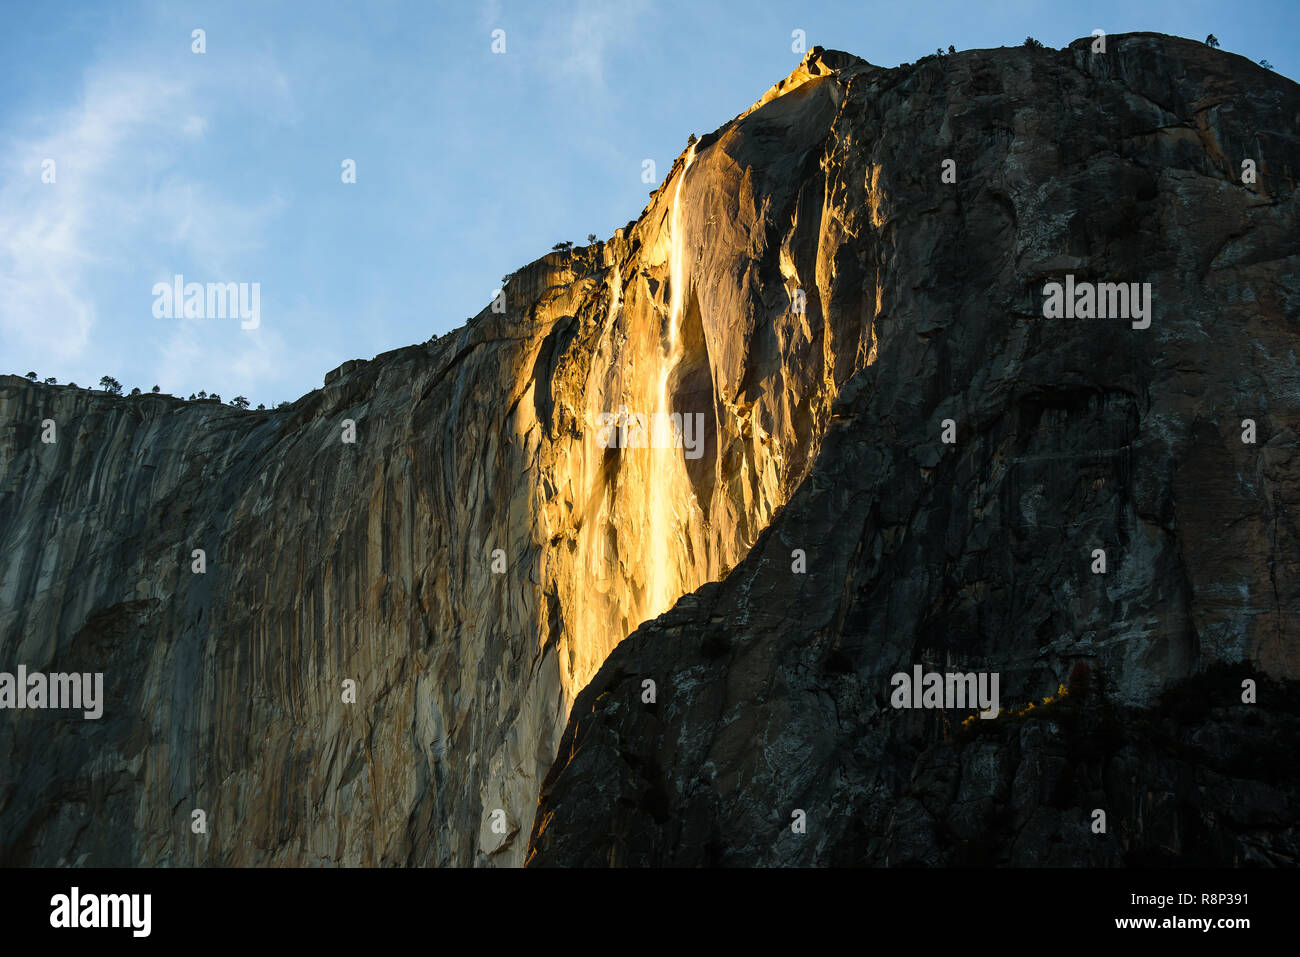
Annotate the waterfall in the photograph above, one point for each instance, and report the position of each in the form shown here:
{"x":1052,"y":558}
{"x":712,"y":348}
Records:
{"x":668,"y":488}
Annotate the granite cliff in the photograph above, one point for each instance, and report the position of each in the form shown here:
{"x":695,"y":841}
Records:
{"x":971,"y":472}
{"x":451,"y":526}
{"x":805,"y":281}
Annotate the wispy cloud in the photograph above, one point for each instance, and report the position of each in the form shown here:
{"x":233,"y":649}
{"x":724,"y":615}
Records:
{"x":122,"y":202}
{"x":590,"y":36}
{"x":241,"y":363}
{"x":50,"y":233}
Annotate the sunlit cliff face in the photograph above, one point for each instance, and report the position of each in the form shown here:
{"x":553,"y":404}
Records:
{"x":690,"y":311}
{"x":644,"y":543}
{"x":686,"y":326}
{"x":469,"y":563}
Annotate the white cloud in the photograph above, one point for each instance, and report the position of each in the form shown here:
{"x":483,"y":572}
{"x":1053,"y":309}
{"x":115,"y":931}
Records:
{"x":211,"y":229}
{"x":47,"y":229}
{"x":587,"y":35}
{"x":219,"y":356}
{"x":121,"y":193}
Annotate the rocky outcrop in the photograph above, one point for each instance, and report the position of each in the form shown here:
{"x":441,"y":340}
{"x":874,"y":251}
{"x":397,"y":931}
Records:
{"x":445,"y":527}
{"x":773,"y":738}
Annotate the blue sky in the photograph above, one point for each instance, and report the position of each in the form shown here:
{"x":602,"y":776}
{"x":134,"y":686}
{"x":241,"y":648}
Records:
{"x":226,"y":166}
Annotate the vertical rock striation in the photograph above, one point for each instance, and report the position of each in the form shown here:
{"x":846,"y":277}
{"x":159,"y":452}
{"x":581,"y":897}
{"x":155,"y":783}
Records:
{"x":736,"y":296}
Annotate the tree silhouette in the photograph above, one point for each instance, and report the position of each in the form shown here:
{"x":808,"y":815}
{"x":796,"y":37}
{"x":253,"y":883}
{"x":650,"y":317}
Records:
{"x":32,"y":376}
{"x":239,"y":402}
{"x":51,"y":381}
{"x":154,"y":389}
{"x":110,"y":385}
{"x":1212,"y":42}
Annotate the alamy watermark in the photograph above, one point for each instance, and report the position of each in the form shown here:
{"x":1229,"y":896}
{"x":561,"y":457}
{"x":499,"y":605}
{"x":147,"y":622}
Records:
{"x":215,"y":300}
{"x":654,"y":430}
{"x":83,"y":691}
{"x":1102,"y":300}
{"x":75,"y":909}
{"x":946,"y":691}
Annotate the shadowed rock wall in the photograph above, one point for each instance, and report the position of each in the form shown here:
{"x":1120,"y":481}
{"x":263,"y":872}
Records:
{"x":774,"y":687}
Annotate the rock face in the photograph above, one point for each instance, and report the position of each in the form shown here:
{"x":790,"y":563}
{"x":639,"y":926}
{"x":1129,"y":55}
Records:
{"x":773,"y":738}
{"x":377,"y":663}
{"x":467,"y":562}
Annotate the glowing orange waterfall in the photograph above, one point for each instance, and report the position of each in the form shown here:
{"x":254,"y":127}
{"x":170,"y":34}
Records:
{"x":667,"y":485}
